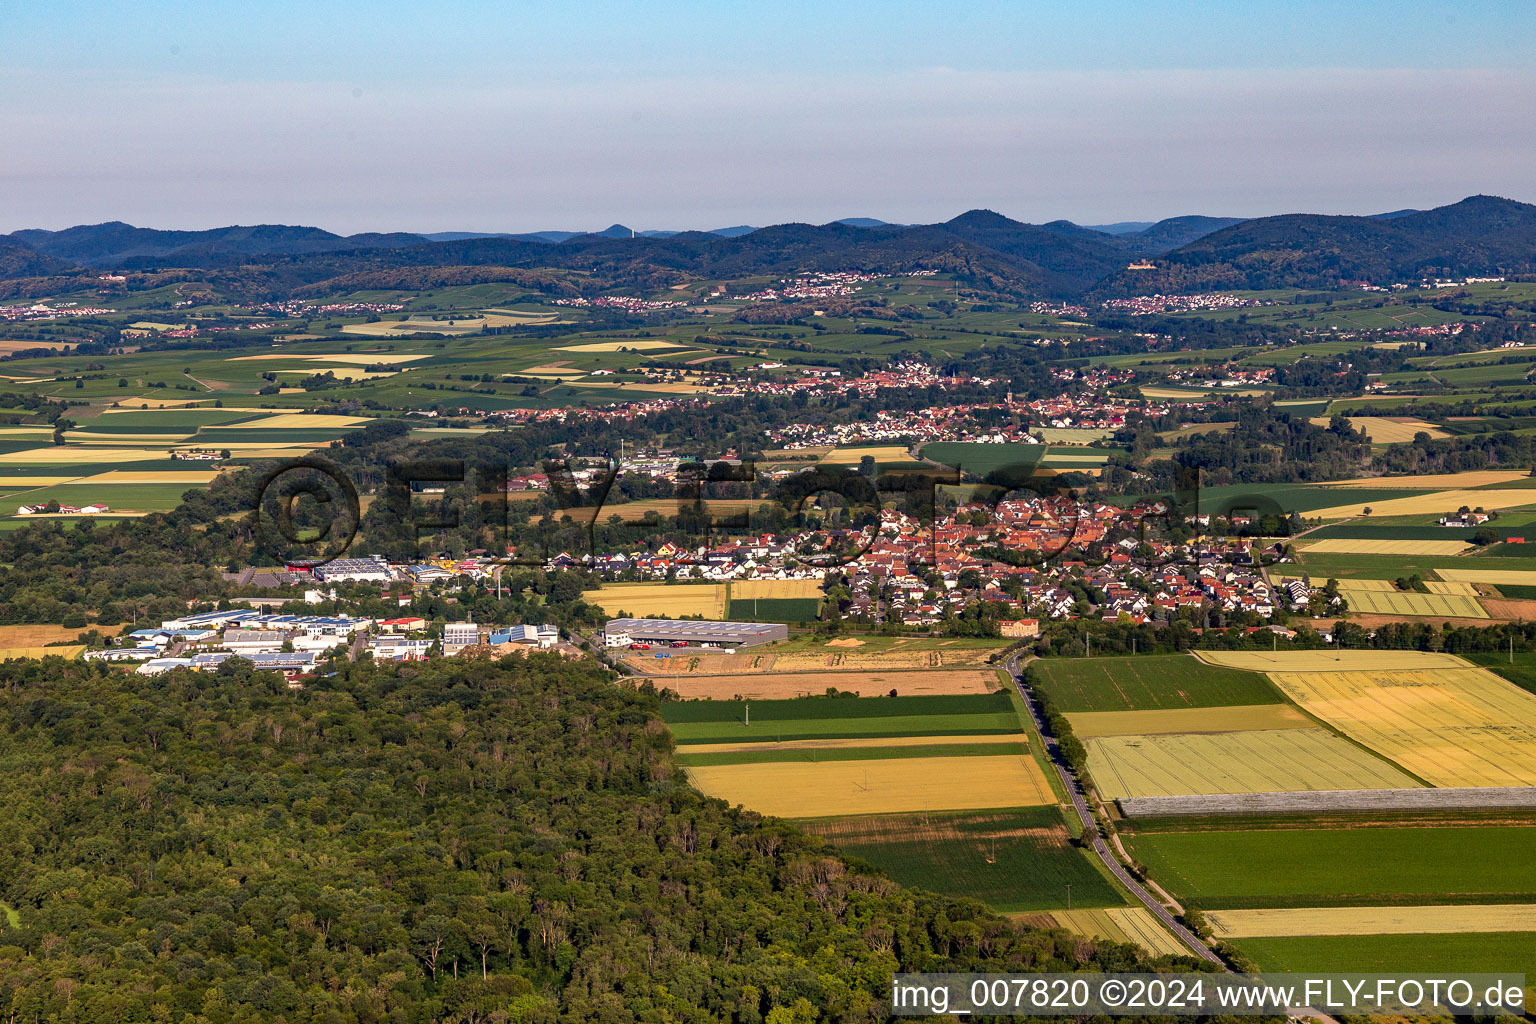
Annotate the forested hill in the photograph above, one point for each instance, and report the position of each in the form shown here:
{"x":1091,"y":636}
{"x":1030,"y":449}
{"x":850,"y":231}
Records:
{"x":1479,"y":236}
{"x":1482,"y":235}
{"x":439,"y":841}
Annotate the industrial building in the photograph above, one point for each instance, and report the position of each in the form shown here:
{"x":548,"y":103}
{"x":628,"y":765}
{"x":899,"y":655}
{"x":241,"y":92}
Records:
{"x":694,"y":633}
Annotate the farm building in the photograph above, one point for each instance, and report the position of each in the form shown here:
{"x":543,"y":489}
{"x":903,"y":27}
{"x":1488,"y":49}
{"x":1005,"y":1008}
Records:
{"x":623,"y":632}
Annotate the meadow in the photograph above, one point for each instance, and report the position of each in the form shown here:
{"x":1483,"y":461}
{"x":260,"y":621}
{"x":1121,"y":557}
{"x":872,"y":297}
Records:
{"x":1145,"y":683}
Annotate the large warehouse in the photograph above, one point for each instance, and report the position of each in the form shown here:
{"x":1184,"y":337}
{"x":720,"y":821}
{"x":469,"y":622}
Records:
{"x":664,"y":632}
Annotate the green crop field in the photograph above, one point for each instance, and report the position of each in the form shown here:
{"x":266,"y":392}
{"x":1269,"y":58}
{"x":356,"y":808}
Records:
{"x":725,"y":721}
{"x":1322,"y":565}
{"x":1146,"y":683}
{"x":775,"y":609}
{"x":1013,"y":860}
{"x":850,"y":753}
{"x":1468,"y":952}
{"x":1343,"y":866}
{"x":981,"y":459}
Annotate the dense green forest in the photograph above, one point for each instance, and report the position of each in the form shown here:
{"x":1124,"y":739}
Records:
{"x":480,"y":841}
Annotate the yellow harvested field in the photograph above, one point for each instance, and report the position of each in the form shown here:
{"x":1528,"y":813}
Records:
{"x":1430,"y":503}
{"x":1071,"y":435}
{"x":302,"y":421}
{"x":512,"y":318}
{"x":783,"y":685}
{"x":1493,"y":917}
{"x":746,"y":590}
{"x":1087,"y":724}
{"x":1261,"y":761}
{"x":1380,"y":602}
{"x":1112,"y":924}
{"x":1356,"y":546}
{"x":342,"y":373}
{"x":640,"y":600}
{"x":881,"y":453}
{"x":60,"y":455}
{"x":1494,"y":577}
{"x":146,"y":402}
{"x":1387,"y":429}
{"x":384,"y":328}
{"x":1329,"y":661}
{"x":1450,"y":589}
{"x":36,"y":481}
{"x":632,"y":511}
{"x":40,"y":635}
{"x":854,"y":743}
{"x":1435,"y":481}
{"x":9,"y":653}
{"x":1461,"y":726}
{"x":1379,"y":586}
{"x":819,"y":789}
{"x":632,"y":344}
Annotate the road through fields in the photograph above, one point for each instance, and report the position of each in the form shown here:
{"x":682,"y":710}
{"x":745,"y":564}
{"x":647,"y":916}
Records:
{"x":1090,"y":828}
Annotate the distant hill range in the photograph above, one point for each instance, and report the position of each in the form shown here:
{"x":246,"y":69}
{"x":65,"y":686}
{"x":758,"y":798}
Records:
{"x":1480,"y":236}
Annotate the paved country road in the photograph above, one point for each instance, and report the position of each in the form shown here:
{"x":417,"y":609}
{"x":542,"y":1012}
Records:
{"x":1090,"y":828}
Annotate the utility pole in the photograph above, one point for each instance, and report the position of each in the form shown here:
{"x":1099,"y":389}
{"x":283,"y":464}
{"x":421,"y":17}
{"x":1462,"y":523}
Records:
{"x":749,"y":714}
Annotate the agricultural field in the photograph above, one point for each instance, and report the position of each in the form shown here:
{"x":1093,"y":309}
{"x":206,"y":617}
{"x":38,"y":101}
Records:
{"x":1384,"y":547}
{"x":845,"y":654}
{"x":746,"y":590}
{"x":1388,"y":429}
{"x":980,"y":459}
{"x":1146,"y":683}
{"x":1451,"y":726}
{"x":773,"y":609}
{"x":881,"y":749}
{"x":784,"y":685}
{"x":61,"y":651}
{"x":1397,"y":602}
{"x":1115,"y":924}
{"x":1498,"y":952}
{"x":1089,"y":724}
{"x":1013,"y":860}
{"x":1395,"y":920}
{"x":1425,"y":503}
{"x":825,"y":788}
{"x":728,"y":721}
{"x":1253,"y":761}
{"x":1438,"y":481}
{"x":672,"y":600}
{"x":1364,"y":864}
{"x":1496,"y":577}
{"x":41,"y":635}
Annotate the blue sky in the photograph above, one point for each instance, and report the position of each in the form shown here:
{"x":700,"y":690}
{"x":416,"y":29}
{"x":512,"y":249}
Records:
{"x":429,"y":116}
